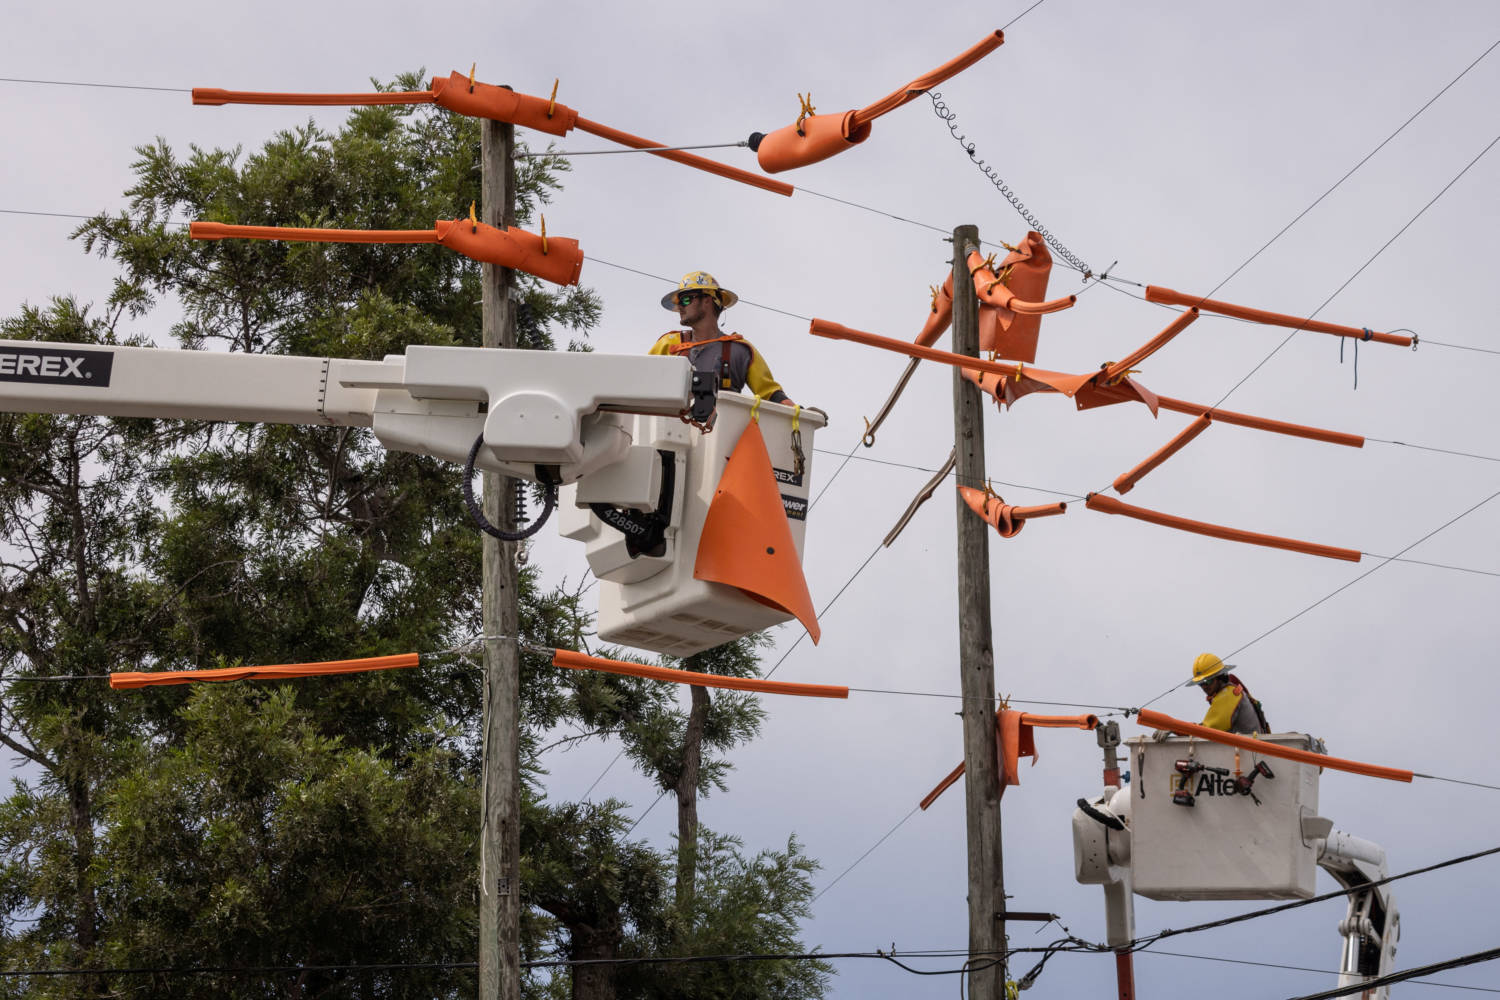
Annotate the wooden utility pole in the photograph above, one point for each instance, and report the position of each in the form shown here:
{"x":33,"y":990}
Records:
{"x":976,"y":653}
{"x":500,"y":832}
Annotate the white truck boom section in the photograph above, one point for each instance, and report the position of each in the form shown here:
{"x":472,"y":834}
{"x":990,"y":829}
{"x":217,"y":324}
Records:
{"x":532,"y":407}
{"x":608,"y":428}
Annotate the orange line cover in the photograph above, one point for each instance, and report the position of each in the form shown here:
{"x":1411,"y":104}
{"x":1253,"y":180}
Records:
{"x":556,"y":259}
{"x":926,"y":82}
{"x":1157,"y":720}
{"x":485,"y":100}
{"x":1170,"y":297}
{"x":581,"y":661}
{"x":1109,"y":505}
{"x":1261,"y":423}
{"x":455,"y":93}
{"x":817,"y":137}
{"x":283,"y":671}
{"x":1125,"y":482}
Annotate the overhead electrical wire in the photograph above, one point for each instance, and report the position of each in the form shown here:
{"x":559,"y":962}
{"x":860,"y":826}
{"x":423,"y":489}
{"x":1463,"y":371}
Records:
{"x":1301,"y":968}
{"x":1407,"y":974}
{"x":1339,"y":590}
{"x":105,"y":86}
{"x":1352,"y":170}
{"x":1360,"y":270}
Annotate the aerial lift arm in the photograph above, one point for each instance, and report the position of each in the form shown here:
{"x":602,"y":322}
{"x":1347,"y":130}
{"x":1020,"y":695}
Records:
{"x":543,"y":416}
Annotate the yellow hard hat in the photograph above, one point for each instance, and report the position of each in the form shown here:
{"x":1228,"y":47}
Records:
{"x":1206,"y":667}
{"x":700,"y":281}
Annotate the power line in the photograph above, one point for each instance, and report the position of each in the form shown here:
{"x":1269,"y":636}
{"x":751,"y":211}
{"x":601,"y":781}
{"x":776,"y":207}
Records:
{"x":1400,"y":977}
{"x":830,"y":604}
{"x":1459,"y":347}
{"x":892,"y":956}
{"x":1360,"y":270}
{"x":846,"y":871}
{"x":1303,"y":968}
{"x":1440,"y":451}
{"x":1451,"y":521}
{"x":1339,"y":590}
{"x":1147,"y":941}
{"x":1316,"y":201}
{"x":106,"y":86}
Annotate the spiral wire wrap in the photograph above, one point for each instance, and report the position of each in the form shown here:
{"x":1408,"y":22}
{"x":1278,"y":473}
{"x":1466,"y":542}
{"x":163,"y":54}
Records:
{"x":549,"y":501}
{"x":950,"y":118}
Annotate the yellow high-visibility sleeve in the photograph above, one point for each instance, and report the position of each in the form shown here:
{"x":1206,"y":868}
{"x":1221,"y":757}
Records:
{"x":759,"y":377}
{"x":665,"y":343}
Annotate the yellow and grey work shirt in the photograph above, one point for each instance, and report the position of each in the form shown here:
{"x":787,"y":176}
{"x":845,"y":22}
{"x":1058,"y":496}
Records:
{"x":730,"y":360}
{"x":1231,"y":711}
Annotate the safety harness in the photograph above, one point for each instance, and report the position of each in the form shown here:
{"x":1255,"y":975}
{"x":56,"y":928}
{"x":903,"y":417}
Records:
{"x":1260,"y":715}
{"x":726,"y":351}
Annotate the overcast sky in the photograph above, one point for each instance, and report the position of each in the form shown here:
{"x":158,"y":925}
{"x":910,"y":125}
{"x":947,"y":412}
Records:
{"x":1165,"y":142}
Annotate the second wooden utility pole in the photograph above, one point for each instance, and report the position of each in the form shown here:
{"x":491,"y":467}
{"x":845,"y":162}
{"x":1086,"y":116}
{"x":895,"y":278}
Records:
{"x":500,"y":830}
{"x":976,"y":653}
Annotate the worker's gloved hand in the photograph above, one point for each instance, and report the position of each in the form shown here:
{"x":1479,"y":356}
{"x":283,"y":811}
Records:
{"x":1160,"y":735}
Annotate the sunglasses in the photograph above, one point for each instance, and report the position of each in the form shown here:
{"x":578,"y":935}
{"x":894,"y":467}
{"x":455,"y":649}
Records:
{"x":688,"y":298}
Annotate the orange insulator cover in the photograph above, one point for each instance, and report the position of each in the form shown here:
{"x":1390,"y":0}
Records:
{"x":560,"y":264}
{"x":485,"y":100}
{"x":580,"y":661}
{"x":1007,"y":520}
{"x":1109,"y":505}
{"x":939,"y":315}
{"x":817,"y":138}
{"x":1014,"y":740}
{"x":1157,"y":720}
{"x":279,"y":672}
{"x":746,"y":541}
{"x":1011,"y":308}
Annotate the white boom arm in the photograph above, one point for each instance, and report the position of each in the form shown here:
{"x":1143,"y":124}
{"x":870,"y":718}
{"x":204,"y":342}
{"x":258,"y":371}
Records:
{"x":534,"y":408}
{"x":1372,"y":925}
